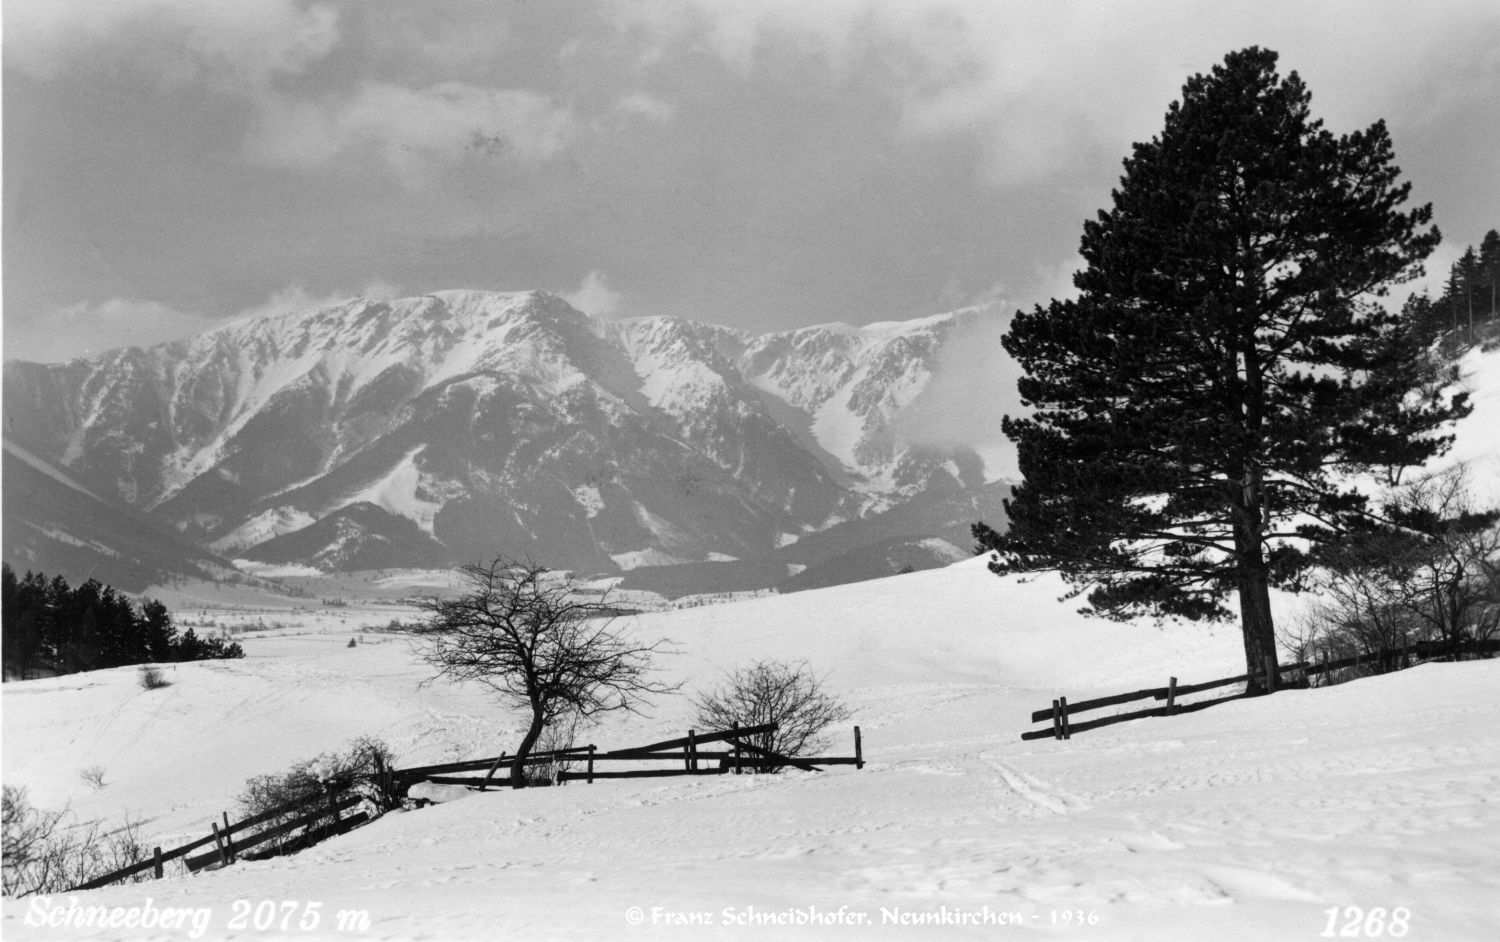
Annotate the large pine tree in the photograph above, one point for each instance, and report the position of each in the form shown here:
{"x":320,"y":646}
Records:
{"x":1226,"y":361}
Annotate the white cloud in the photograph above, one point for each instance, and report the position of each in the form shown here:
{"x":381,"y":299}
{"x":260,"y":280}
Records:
{"x":241,"y":48}
{"x":646,"y":106}
{"x":412,"y":129}
{"x":294,"y":299}
{"x":972,"y":367}
{"x":594,"y":296}
{"x":225,"y":42}
{"x":88,"y":329}
{"x":378,"y":289}
{"x":447,"y":42}
{"x":1053,"y":88}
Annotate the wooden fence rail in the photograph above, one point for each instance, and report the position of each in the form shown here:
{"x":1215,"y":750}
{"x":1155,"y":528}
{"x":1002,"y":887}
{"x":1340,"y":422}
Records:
{"x":160,"y":857}
{"x":1063,"y":726}
{"x":228,"y":848}
{"x":228,"y":844}
{"x":420,"y":772}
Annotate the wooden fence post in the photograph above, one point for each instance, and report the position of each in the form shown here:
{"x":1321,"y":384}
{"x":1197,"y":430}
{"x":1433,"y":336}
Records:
{"x":156,"y":868}
{"x":491,"y":773}
{"x":859,"y":750}
{"x":736,"y":727}
{"x":591,"y":764}
{"x":219,"y":844}
{"x":1062,"y":705}
{"x":1056,"y":721}
{"x":690,"y":758}
{"x":228,"y":840}
{"x":1171,"y":695}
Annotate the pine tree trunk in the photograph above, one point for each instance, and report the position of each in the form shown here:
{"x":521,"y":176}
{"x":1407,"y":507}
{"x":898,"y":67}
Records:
{"x":1256,"y":623}
{"x":518,"y":764}
{"x":1258,"y":628}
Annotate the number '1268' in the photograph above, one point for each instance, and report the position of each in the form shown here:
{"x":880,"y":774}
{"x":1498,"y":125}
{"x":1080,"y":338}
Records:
{"x":1352,"y":922}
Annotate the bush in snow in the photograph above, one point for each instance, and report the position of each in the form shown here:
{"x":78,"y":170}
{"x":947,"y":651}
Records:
{"x":1431,"y":574}
{"x":787,"y":694}
{"x":364,"y":768}
{"x":46,"y":852}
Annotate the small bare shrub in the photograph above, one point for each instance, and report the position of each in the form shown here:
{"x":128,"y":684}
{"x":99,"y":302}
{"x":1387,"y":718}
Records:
{"x":93,"y":776}
{"x":779,"y":692}
{"x":364,"y":768}
{"x":46,"y":852}
{"x":150,"y":677}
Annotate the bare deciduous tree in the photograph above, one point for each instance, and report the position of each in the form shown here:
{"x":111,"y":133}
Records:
{"x":1450,"y":584}
{"x":1431,"y":574}
{"x":539,"y":644}
{"x":786,"y":694}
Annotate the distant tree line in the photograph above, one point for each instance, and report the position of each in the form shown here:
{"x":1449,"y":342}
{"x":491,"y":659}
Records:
{"x":1470,"y":297}
{"x":51,"y":627}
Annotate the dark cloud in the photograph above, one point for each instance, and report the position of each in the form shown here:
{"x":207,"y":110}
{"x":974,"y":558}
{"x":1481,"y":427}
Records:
{"x":765,"y":164}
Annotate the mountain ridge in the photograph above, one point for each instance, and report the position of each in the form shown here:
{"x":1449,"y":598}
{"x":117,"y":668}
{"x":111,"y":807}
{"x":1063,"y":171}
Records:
{"x":505,"y":422}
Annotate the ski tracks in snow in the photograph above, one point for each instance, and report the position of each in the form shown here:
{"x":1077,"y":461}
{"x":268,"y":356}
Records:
{"x":1048,"y":798}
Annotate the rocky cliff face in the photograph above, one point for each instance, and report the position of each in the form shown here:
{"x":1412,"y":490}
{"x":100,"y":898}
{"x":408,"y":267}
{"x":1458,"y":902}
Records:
{"x":461,"y":425}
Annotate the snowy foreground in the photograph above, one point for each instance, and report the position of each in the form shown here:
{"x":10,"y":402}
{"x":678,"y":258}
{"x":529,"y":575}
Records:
{"x":1252,"y":820}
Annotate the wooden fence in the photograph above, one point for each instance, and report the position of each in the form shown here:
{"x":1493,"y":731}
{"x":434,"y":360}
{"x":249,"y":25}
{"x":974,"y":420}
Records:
{"x":685,"y":753}
{"x":230,"y":842}
{"x":227,"y":848}
{"x":1060,"y":714}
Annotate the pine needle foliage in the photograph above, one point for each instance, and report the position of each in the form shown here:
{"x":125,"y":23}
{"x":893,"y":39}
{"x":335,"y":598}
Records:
{"x":1227,"y":361}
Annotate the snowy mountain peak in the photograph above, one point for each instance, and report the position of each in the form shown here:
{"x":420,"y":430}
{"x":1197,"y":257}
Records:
{"x":475,"y":419}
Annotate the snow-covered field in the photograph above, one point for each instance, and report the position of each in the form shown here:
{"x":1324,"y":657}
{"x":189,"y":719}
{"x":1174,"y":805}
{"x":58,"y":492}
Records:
{"x":1252,"y":820}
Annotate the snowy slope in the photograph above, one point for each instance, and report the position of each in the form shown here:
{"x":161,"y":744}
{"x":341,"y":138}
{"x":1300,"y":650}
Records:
{"x":1476,"y":444}
{"x":1247,"y":821}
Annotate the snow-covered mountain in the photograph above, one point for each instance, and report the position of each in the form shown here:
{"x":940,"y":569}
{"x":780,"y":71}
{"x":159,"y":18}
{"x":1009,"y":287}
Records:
{"x":460,"y":425}
{"x":54,"y":524}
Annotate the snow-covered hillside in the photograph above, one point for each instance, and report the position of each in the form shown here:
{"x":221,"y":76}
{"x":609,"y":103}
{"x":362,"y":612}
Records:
{"x":450,"y":427}
{"x":1247,"y":821}
{"x":1476,"y":444}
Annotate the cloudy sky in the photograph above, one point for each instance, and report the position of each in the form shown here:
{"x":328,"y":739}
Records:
{"x":169,"y":164}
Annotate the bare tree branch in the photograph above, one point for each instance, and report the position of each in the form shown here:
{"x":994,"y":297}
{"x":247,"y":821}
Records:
{"x":789,"y":695}
{"x":539,"y":644}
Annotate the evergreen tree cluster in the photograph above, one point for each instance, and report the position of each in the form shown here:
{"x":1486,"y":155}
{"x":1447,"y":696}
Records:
{"x":55,"y":628}
{"x":1470,"y":298}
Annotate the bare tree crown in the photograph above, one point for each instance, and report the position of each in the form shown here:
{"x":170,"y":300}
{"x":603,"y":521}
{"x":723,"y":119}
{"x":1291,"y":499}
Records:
{"x":533,"y":638}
